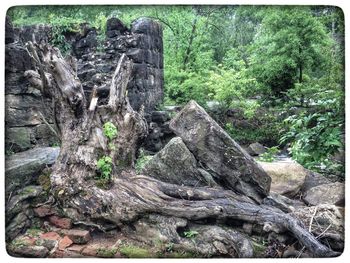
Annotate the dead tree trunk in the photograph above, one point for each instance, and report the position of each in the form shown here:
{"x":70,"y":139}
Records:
{"x":130,"y":198}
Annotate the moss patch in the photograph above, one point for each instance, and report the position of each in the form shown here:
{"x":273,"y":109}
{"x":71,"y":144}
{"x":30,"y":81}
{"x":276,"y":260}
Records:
{"x":33,"y":232}
{"x":131,"y":251}
{"x":44,"y":181}
{"x":106,"y":252}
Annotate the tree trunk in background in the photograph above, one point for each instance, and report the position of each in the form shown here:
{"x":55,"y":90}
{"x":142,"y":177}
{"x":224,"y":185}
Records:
{"x":190,"y":41}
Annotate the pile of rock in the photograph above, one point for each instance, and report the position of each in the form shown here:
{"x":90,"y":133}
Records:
{"x":205,"y":153}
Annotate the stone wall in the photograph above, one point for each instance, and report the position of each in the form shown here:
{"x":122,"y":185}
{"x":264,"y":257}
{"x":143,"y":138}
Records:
{"x":96,"y":56}
{"x":24,"y":127}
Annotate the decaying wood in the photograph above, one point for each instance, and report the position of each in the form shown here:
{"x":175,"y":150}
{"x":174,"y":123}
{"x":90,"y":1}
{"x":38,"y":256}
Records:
{"x":131,"y":197}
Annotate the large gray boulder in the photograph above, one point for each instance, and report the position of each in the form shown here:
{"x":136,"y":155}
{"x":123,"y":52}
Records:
{"x":175,"y":164}
{"x":219,"y":153}
{"x":287,"y":176}
{"x":24,"y":168}
{"x":313,"y":179}
{"x":256,"y":149}
{"x":332,"y":194}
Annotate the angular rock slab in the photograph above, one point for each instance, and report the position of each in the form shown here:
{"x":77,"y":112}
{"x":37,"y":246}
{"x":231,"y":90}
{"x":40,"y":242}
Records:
{"x":24,"y":168}
{"x":219,"y":153}
{"x":175,"y":164}
{"x":287,"y":176}
{"x":332,"y":194}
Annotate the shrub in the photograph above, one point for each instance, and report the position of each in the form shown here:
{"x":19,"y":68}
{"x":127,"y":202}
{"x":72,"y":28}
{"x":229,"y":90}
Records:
{"x":314,"y":138}
{"x":61,"y":26}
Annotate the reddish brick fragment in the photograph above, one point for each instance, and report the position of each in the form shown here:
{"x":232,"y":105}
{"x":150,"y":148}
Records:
{"x":64,"y":243}
{"x":61,"y":222}
{"x":43,"y":211}
{"x":78,"y":236}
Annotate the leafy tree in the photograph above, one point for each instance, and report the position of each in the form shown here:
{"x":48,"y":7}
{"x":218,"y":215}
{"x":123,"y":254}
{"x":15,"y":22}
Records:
{"x":290,"y":42}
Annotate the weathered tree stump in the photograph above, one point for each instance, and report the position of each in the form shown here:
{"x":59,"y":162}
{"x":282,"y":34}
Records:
{"x":130,"y":197}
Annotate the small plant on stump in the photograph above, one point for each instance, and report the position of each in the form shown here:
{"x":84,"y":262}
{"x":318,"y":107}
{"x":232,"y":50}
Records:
{"x":110,"y":131}
{"x":105,"y":167}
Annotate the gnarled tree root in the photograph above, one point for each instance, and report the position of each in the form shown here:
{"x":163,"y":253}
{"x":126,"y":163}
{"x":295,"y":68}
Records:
{"x":148,"y":196}
{"x":181,"y":235}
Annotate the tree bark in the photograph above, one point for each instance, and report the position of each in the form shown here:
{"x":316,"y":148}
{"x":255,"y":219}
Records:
{"x":131,"y":197}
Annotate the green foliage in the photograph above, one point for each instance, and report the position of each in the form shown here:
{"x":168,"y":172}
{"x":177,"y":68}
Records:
{"x":142,"y":160}
{"x":105,"y":167}
{"x":259,"y":125}
{"x":314,"y":138}
{"x":269,"y":155}
{"x":110,"y":131}
{"x":290,"y":42}
{"x":131,"y":251}
{"x":190,"y":234}
{"x":60,"y":27}
{"x":111,"y":146}
{"x":182,"y":254}
{"x":231,"y":85}
{"x":259,"y":248}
